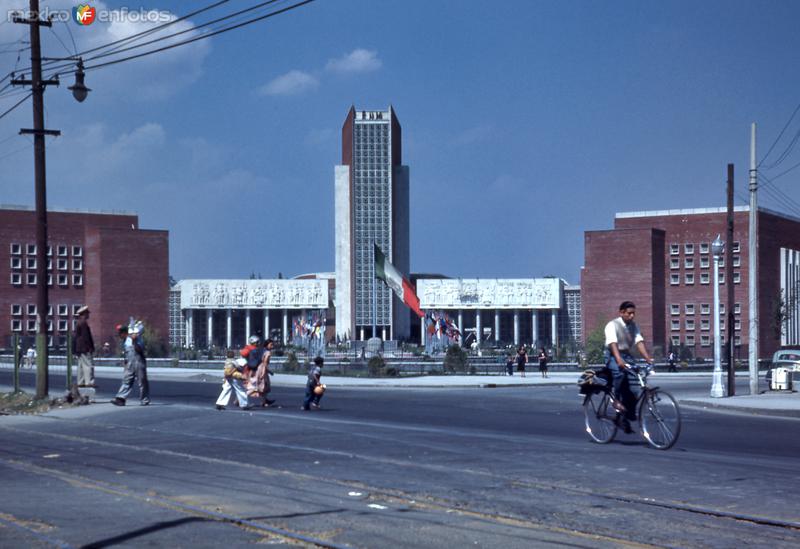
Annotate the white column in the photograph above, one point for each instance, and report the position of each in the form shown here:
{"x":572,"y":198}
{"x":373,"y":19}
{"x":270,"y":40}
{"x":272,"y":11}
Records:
{"x":362,"y":334}
{"x":516,"y":328}
{"x":266,"y":323}
{"x":422,"y":331}
{"x":189,"y":327}
{"x":210,"y":317}
{"x":228,"y":327}
{"x":478,"y":329}
{"x":534,"y":327}
{"x":554,"y":328}
{"x":496,"y":325}
{"x":247,"y":326}
{"x":285,"y":326}
{"x":460,"y":325}
{"x":383,"y":333}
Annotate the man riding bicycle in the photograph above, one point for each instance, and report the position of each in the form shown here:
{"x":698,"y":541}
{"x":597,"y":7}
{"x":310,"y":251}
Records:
{"x":621,"y":335}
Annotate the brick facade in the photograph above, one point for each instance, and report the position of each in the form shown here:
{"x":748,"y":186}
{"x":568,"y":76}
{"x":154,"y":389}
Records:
{"x":685,"y":315}
{"x":101,"y":260}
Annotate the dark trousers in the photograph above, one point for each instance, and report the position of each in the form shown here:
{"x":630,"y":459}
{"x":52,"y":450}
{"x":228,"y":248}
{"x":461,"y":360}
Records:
{"x":310,"y":396}
{"x":621,"y":382}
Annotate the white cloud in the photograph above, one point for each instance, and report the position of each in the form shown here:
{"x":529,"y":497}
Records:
{"x":291,"y":83}
{"x":358,"y":60}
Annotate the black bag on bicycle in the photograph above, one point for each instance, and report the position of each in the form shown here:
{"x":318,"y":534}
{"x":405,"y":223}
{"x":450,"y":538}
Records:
{"x":594,"y":380}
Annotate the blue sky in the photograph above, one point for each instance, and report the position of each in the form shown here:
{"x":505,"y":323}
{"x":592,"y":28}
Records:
{"x":524,"y":124}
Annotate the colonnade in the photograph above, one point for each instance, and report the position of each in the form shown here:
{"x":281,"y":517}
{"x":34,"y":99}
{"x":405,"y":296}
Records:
{"x":209,"y":313}
{"x":553,"y":313}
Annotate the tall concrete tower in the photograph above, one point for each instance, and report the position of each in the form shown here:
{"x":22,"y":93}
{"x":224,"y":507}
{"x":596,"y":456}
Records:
{"x":372,"y":205}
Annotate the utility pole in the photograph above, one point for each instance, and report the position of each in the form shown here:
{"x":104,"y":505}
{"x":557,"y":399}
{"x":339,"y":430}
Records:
{"x":752,"y":268}
{"x":731,"y":322}
{"x":37,"y":90}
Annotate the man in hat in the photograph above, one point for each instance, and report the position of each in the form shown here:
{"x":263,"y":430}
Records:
{"x":83,"y":348}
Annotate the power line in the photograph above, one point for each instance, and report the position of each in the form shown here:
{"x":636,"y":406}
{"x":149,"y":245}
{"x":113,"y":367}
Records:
{"x":785,"y":126}
{"x":20,"y":102}
{"x":207,"y":35}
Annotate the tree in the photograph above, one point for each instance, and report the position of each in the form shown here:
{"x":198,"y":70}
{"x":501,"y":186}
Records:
{"x":154,"y":344}
{"x":595,"y":345}
{"x":455,"y":359}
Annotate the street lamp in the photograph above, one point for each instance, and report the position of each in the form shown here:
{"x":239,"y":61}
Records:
{"x":79,"y":89}
{"x":717,"y":248}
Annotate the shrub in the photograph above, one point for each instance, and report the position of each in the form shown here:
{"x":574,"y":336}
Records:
{"x":376,"y":365}
{"x":455,"y":360}
{"x":291,"y":364}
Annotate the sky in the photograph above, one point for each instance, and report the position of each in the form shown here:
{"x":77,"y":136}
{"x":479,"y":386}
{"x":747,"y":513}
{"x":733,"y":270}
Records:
{"x":525,"y":123}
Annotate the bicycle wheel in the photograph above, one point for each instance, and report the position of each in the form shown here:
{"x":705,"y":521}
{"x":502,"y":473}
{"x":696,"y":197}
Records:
{"x":599,"y":416}
{"x":659,"y":419}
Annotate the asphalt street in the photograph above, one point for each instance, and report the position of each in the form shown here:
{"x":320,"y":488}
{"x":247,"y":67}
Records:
{"x":390,"y":467}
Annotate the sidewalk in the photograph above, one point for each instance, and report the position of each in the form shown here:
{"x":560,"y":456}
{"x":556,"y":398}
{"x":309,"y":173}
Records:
{"x":773,"y":403}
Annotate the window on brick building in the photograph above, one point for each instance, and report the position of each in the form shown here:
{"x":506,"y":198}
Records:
{"x":674,"y":263}
{"x":49,"y":251}
{"x":16,"y":325}
{"x":16,"y":279}
{"x":704,"y":262}
{"x":63,"y":280}
{"x":722,"y":308}
{"x":674,"y":249}
{"x":77,"y":280}
{"x":62,"y":251}
{"x":674,"y":279}
{"x":689,"y":308}
{"x":63,"y":325}
{"x":689,"y":263}
{"x":75,"y":311}
{"x":675,"y":309}
{"x":690,"y":340}
{"x":737,"y":308}
{"x":721,"y":323}
{"x":31,"y":249}
{"x":704,"y":248}
{"x":16,"y":310}
{"x":722,"y":278}
{"x":689,"y":278}
{"x":31,"y":279}
{"x":688,"y":249}
{"x":31,"y":308}
{"x":30,"y":262}
{"x":737,"y":261}
{"x":737,"y":340}
{"x":77,"y":251}
{"x":737,"y":324}
{"x":16,"y":249}
{"x":63,"y":310}
{"x":675,"y":325}
{"x":31,"y":325}
{"x":705,"y":324}
{"x":49,"y":279}
{"x":16,"y":263}
{"x":77,"y":264}
{"x":705,"y":278}
{"x":676,"y":340}
{"x":49,"y":264}
{"x":705,"y":340}
{"x":737,"y":277}
{"x":690,"y":324}
{"x":736,"y":247}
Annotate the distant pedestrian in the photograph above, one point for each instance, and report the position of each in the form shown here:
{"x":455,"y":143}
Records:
{"x":233,"y":383}
{"x":543,"y":361}
{"x":510,"y":365}
{"x":83,"y":348}
{"x":263,"y":384}
{"x":522,"y":360}
{"x":314,"y":388}
{"x":671,"y":361}
{"x":30,"y":357}
{"x":135,"y":364}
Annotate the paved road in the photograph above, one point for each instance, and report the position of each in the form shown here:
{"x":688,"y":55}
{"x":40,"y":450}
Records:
{"x":505,"y":467}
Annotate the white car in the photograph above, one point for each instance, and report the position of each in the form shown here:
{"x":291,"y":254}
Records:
{"x":785,"y":358}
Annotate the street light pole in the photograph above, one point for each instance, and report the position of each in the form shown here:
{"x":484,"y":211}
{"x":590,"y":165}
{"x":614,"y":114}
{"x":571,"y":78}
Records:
{"x":717,"y":247}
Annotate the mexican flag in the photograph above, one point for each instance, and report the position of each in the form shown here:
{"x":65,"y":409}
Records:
{"x":392,"y":277}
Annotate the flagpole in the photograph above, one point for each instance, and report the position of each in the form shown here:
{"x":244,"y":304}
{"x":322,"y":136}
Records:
{"x":374,"y":296}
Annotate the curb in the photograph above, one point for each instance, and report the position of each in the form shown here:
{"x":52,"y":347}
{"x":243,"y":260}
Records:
{"x":713,"y":407}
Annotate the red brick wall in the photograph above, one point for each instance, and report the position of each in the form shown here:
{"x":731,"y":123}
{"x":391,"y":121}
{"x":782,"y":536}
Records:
{"x":86,"y":230}
{"x":624,"y":265}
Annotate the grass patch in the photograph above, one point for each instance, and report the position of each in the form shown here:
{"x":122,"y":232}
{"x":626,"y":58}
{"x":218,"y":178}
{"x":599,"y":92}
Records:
{"x":23,"y":403}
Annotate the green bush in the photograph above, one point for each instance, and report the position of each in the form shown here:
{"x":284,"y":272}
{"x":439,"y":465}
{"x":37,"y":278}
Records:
{"x":154,"y":344}
{"x":291,"y":364}
{"x":376,"y":365}
{"x":595,"y":345}
{"x":455,"y":360}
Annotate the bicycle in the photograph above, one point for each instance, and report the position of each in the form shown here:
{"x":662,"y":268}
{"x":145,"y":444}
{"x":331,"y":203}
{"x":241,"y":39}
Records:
{"x":658,"y":412}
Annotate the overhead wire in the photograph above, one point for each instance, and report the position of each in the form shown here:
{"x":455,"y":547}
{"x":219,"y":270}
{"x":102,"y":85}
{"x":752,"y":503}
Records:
{"x":777,"y":139}
{"x":17,"y":104}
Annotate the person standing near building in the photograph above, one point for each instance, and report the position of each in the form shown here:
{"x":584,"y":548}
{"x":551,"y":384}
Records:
{"x":510,"y":364}
{"x":135,"y":364}
{"x":83,"y":348}
{"x":543,"y":361}
{"x":263,"y":382}
{"x":30,"y":357}
{"x":522,"y":360}
{"x":671,"y":360}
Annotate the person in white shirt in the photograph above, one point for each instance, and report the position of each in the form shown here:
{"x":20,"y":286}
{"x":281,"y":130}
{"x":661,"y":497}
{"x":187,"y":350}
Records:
{"x":621,"y":336}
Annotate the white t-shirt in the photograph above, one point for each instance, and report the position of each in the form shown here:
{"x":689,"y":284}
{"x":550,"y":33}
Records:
{"x":624,"y":335}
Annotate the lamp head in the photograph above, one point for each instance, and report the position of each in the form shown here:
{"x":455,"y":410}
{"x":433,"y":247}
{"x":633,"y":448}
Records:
{"x":718,"y":246}
{"x":79,"y":89}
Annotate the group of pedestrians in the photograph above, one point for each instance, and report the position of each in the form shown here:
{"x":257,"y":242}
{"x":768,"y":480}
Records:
{"x":246,"y":378}
{"x":522,"y":360}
